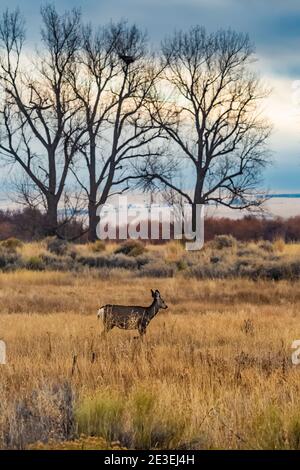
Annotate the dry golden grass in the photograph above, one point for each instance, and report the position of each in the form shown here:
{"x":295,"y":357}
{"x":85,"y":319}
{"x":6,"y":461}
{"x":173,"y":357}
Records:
{"x":292,"y":249}
{"x":279,"y":245}
{"x":29,"y":250}
{"x":87,"y":249}
{"x":172,"y":251}
{"x":214,"y":371}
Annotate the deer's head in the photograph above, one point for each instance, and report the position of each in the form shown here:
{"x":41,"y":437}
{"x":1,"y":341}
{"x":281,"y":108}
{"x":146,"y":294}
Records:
{"x":157,"y":297}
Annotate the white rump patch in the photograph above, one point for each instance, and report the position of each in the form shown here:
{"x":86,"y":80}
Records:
{"x":100,"y":314}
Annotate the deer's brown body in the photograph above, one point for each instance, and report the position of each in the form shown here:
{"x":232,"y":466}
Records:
{"x":132,"y":317}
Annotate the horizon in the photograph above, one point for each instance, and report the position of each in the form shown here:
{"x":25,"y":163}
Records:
{"x":279,"y":204}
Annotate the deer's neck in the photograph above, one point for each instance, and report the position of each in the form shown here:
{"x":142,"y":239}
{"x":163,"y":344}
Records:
{"x":153,"y":309}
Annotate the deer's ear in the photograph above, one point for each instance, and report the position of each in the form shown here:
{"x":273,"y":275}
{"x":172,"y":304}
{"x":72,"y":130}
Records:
{"x":152,"y":293}
{"x":157,"y":292}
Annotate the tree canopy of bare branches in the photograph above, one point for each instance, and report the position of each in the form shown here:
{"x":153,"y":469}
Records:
{"x":112,"y":81}
{"x":39,"y":125}
{"x":209,"y":107}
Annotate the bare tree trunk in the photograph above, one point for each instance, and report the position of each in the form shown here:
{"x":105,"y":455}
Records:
{"x":52,"y":215}
{"x":93,"y":222}
{"x":92,"y":208}
{"x":198,"y":199}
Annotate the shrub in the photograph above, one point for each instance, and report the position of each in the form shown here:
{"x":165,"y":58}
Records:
{"x":35,"y":263}
{"x":131,"y":248}
{"x":181,"y":265}
{"x":253,"y":252}
{"x":157,"y":269}
{"x":9,"y":260}
{"x":114,"y":261}
{"x":45,"y":413}
{"x":98,"y":246}
{"x":11,"y":244}
{"x":224,"y":241}
{"x":278,"y":271}
{"x":58,"y":263}
{"x":73,"y":254}
{"x":57,"y":246}
{"x":267,"y":246}
{"x":218,"y":270}
{"x":121,"y":261}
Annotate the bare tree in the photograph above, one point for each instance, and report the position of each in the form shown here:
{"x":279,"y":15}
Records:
{"x":212,"y":118}
{"x":39,"y":127}
{"x":113,"y":80}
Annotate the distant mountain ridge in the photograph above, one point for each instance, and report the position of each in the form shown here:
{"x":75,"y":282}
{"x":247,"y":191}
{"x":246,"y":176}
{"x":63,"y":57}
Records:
{"x":285,"y":195}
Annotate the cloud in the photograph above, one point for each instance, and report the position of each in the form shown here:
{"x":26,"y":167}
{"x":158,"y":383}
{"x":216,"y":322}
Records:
{"x":272,"y":25}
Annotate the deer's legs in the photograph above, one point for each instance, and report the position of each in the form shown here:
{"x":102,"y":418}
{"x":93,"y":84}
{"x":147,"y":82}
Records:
{"x":106,"y":329}
{"x":142,"y":331}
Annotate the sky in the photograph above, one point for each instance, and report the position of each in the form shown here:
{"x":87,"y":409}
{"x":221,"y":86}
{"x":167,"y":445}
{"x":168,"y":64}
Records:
{"x":273,"y":26}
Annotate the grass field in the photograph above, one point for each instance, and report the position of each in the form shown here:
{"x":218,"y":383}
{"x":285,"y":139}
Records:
{"x":214,"y":370}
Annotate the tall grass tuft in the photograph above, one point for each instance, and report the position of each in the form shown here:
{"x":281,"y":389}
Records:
{"x":101,"y":415}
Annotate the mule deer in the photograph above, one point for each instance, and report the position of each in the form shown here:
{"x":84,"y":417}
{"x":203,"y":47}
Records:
{"x":130,"y":317}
